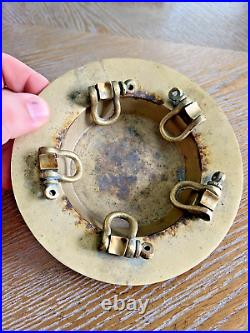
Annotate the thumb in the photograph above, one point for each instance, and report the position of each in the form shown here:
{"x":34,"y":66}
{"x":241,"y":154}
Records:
{"x":21,"y":113}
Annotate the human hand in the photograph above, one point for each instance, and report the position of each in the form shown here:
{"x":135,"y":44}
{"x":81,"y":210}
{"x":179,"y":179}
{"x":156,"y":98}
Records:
{"x":22,"y":110}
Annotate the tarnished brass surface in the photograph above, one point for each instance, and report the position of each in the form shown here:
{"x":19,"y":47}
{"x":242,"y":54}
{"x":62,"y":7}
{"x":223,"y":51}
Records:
{"x":129,"y":167}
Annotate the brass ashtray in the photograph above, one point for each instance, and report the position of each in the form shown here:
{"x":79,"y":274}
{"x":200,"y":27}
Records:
{"x":136,"y":178}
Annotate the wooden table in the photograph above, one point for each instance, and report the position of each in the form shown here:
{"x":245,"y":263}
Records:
{"x":39,"y":293}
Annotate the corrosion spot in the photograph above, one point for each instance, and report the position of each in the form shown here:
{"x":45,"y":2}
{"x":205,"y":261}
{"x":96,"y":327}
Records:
{"x":78,"y":219}
{"x":203,"y":151}
{"x":31,"y":174}
{"x":60,"y":135}
{"x":79,"y":97}
{"x":180,"y":174}
{"x":146,"y":96}
{"x":171,"y":230}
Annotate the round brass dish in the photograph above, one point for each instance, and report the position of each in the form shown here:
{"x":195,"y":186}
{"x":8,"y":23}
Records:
{"x":127,"y":166}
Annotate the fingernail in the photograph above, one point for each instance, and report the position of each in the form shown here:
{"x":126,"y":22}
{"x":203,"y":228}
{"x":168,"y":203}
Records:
{"x":38,"y":111}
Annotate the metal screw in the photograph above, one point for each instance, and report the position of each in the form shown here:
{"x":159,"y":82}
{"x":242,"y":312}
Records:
{"x":217,"y":179}
{"x":218,"y":176}
{"x":147,"y":250}
{"x":175,"y":95}
{"x":131,"y":86}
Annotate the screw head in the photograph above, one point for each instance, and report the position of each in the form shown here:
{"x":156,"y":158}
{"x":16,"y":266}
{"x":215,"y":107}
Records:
{"x":51,"y":191}
{"x":218,"y":176}
{"x":217,"y":179}
{"x":175,"y":95}
{"x":131,"y":86}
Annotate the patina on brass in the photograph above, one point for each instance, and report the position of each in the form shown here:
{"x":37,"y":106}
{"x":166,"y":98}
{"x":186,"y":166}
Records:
{"x":192,"y":115}
{"x":48,"y":165}
{"x":130,"y":247}
{"x":128,"y":167}
{"x":207,"y":196}
{"x":112,"y":90}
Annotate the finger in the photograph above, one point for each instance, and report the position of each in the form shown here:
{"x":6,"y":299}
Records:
{"x":6,"y":161}
{"x":19,"y":77}
{"x":22,"y":113}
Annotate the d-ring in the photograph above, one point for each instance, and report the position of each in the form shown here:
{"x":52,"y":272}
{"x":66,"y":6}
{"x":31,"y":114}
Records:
{"x":130,"y":246}
{"x":49,"y":174}
{"x":193,"y":112}
{"x":208,"y":195}
{"x":105,"y":91}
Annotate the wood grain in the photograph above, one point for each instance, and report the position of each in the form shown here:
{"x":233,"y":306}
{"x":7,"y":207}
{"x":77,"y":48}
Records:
{"x":222,"y":25}
{"x":39,"y":293}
